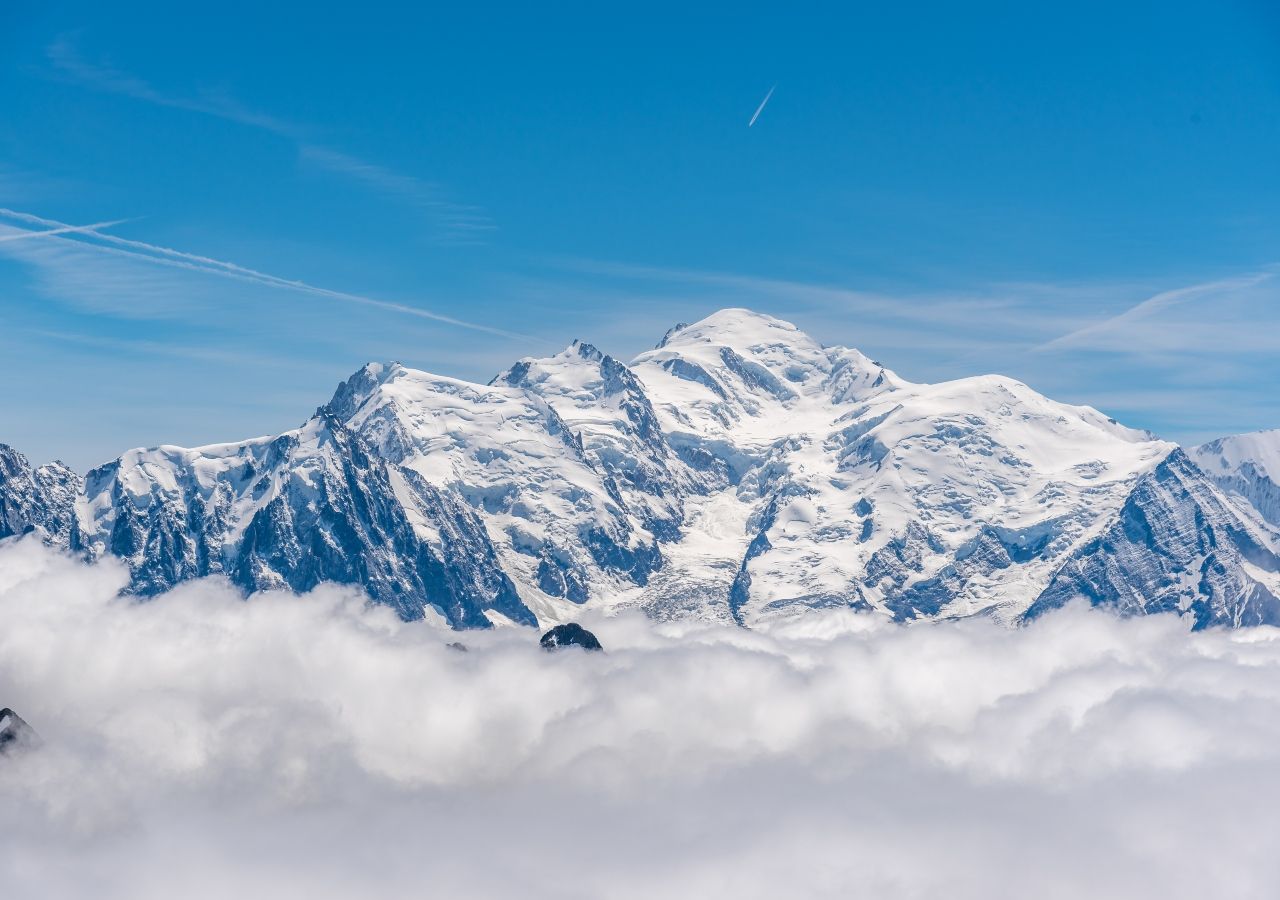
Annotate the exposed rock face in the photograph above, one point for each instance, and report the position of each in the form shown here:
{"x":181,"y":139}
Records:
{"x":36,"y":498}
{"x":1176,"y":545}
{"x":738,"y":472}
{"x":14,"y":732}
{"x":313,"y":505}
{"x":570,"y":635}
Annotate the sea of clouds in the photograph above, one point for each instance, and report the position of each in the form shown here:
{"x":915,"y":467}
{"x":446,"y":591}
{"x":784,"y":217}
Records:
{"x":198,"y":745}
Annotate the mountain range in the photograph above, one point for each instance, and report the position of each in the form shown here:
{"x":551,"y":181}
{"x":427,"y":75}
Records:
{"x":739,"y":471}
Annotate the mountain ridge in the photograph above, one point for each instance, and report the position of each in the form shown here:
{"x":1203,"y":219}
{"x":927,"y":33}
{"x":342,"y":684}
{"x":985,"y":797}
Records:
{"x":739,"y":471}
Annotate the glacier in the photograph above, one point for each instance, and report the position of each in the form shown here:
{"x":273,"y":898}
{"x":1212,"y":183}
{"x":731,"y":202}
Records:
{"x":740,"y":471}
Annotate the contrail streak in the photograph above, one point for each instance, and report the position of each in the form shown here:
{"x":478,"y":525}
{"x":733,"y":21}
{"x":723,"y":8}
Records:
{"x":167,"y":256}
{"x":760,"y":108}
{"x":63,"y":229}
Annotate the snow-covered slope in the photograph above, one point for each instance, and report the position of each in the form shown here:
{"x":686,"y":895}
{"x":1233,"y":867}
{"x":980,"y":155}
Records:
{"x":851,"y":485}
{"x":739,"y":471}
{"x":603,"y":403}
{"x":728,"y":387}
{"x":1246,"y":466}
{"x":562,"y":527}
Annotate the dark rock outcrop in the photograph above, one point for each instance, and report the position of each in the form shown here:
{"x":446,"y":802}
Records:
{"x":14,"y":732}
{"x":570,"y":635}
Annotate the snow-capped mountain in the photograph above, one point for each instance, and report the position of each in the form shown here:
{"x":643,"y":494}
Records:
{"x":559,"y":520}
{"x":312,"y":505}
{"x":739,"y":471}
{"x":1246,"y":466}
{"x":36,"y":497}
{"x":847,"y":484}
{"x":1177,"y":544}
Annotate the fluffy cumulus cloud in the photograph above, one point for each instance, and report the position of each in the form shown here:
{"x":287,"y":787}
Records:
{"x":201,"y":746}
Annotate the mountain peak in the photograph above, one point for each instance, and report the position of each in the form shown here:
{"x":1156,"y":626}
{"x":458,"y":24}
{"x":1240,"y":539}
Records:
{"x":585,"y":350}
{"x":737,"y":363}
{"x":355,"y":390}
{"x":1246,"y":466}
{"x":671,"y":332}
{"x":15,"y":732}
{"x":738,"y":328}
{"x":571,"y":368}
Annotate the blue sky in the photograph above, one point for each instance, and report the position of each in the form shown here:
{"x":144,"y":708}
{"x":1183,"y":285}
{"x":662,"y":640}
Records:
{"x":1084,"y":196}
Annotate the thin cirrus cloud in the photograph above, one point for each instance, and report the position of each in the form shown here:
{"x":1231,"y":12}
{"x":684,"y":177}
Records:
{"x":456,"y":224}
{"x":743,"y":289}
{"x":70,"y":265}
{"x":1033,"y":318}
{"x":66,"y":58}
{"x":950,"y":328}
{"x":1198,"y":316}
{"x":461,"y":223}
{"x":312,"y":746}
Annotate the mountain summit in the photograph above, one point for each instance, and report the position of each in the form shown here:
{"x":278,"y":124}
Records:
{"x":739,"y":471}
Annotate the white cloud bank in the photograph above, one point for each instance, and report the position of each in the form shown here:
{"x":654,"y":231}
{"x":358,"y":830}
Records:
{"x":199,"y":746}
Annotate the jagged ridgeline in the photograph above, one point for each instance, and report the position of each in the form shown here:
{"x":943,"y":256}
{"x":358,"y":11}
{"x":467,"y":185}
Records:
{"x":737,"y":472}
